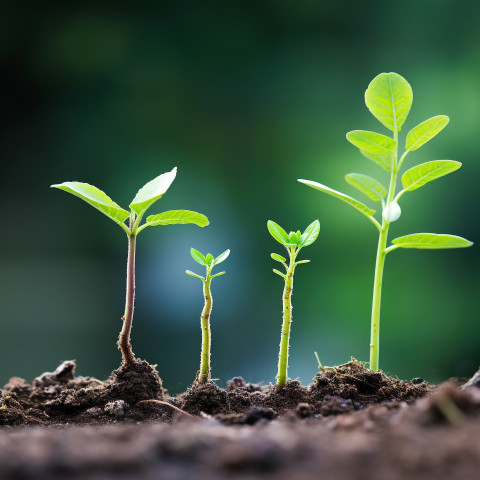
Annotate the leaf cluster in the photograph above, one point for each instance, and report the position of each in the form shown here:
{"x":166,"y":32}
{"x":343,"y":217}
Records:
{"x":208,"y":261}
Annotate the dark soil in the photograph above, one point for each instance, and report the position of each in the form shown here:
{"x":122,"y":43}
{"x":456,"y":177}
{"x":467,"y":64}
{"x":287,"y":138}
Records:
{"x":350,"y":423}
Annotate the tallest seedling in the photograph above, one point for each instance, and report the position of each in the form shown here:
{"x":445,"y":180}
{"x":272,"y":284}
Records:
{"x":145,"y":198}
{"x":389,"y":98}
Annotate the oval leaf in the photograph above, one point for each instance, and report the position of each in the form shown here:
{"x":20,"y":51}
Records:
{"x":351,"y":201}
{"x":384,"y":160}
{"x":209,"y":259}
{"x":372,"y":188}
{"x":152,"y":191}
{"x":173,"y":217}
{"x":431,"y":241}
{"x":424,"y":132}
{"x":96,"y":198}
{"x":277,"y":232}
{"x":278,"y":257}
{"x":189,"y":272}
{"x":310,"y":234}
{"x":197,"y":256}
{"x":389,"y":98}
{"x":280,"y":273}
{"x":418,"y":176}
{"x":372,"y":142}
{"x":222,"y":257}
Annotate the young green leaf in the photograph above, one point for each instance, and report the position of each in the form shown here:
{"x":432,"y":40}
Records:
{"x":152,"y":191}
{"x":351,"y":201}
{"x":384,"y":160}
{"x":389,"y":98}
{"x":278,"y":257}
{"x":424,"y":132}
{"x":372,"y":188}
{"x":302,"y":261}
{"x":372,"y":142}
{"x":197,"y":256}
{"x":431,"y":241}
{"x":218,"y":274}
{"x":189,"y":272}
{"x":418,"y":176}
{"x":209,"y":259}
{"x":96,"y":198}
{"x":173,"y":217}
{"x":310,"y":234}
{"x":292,"y":238}
{"x":277,"y":232}
{"x":280,"y":273}
{"x":222,"y":257}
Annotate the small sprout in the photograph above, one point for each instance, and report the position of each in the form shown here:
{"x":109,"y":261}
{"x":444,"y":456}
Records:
{"x":389,"y":98}
{"x":145,"y":198}
{"x":208,"y":261}
{"x":293,"y":242}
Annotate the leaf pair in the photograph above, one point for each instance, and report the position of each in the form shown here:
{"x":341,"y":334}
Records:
{"x":146,"y":197}
{"x":208,"y":261}
{"x":294,"y":239}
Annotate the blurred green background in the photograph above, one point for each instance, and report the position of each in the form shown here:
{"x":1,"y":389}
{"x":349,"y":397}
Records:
{"x":244,"y":97}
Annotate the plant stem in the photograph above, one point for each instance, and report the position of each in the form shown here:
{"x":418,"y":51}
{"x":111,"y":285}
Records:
{"x":124,"y":339}
{"x":204,"y":374}
{"x":287,"y":323}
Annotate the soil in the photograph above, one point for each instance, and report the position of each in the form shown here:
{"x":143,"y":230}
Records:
{"x":350,"y":423}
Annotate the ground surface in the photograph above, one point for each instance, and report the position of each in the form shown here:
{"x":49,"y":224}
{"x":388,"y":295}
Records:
{"x":348,"y":424}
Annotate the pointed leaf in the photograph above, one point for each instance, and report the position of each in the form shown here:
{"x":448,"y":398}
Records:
{"x":310,"y":234}
{"x":222,"y":257}
{"x":209,"y":259}
{"x":351,"y":201}
{"x":431,"y":241}
{"x":384,"y":160}
{"x":197,"y":256}
{"x":218,"y":274}
{"x":174,"y":217}
{"x":372,"y":188}
{"x":418,"y":176}
{"x":189,"y":272}
{"x":280,"y":273}
{"x":96,"y":198}
{"x":372,"y":142}
{"x":277,"y":232}
{"x":389,"y":98}
{"x":424,"y":132}
{"x":152,"y":191}
{"x":278,"y":257}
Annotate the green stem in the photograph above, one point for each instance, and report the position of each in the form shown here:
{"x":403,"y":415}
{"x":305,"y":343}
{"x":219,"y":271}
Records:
{"x":287,"y":323}
{"x":124,"y":339}
{"x":204,"y":374}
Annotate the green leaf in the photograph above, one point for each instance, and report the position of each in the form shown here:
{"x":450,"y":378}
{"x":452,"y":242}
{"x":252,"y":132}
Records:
{"x":292,"y":238}
{"x":302,"y":261}
{"x":277,"y":232}
{"x":97,"y":199}
{"x":175,"y":217}
{"x":424,"y":132}
{"x":222,"y":257}
{"x":218,"y":274}
{"x":384,"y":160}
{"x":351,"y":201}
{"x":389,"y":98}
{"x":310,"y":234}
{"x":280,"y":273}
{"x":372,"y":142}
{"x":152,"y":191}
{"x":278,"y":257}
{"x":418,"y":176}
{"x":372,"y":188}
{"x":197,"y":256}
{"x":431,"y":241}
{"x":209,"y":259}
{"x":189,"y":272}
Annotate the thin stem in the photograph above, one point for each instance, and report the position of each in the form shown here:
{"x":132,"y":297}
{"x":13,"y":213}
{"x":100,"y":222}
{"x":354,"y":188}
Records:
{"x":287,"y":322}
{"x":124,"y":339}
{"x":204,"y":374}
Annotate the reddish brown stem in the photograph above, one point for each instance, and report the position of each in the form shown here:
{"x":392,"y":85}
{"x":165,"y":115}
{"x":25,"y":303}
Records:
{"x":124,"y":339}
{"x":168,"y":405}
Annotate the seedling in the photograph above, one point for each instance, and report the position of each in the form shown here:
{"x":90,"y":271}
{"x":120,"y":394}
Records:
{"x":293,"y":242}
{"x":145,"y":198}
{"x":389,"y":98}
{"x":203,"y":375}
